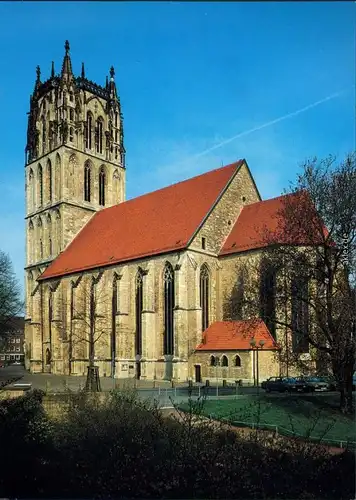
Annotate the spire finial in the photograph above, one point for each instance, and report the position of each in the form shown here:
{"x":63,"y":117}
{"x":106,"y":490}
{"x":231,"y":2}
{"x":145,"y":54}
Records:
{"x":67,"y":64}
{"x":112,"y":73}
{"x":83,"y":70}
{"x":38,"y":73}
{"x":52,"y":70}
{"x":107,"y":82}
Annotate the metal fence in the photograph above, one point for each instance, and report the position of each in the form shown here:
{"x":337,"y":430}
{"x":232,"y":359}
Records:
{"x":283,"y":431}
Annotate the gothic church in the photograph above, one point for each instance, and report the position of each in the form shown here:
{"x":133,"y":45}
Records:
{"x":136,"y":286}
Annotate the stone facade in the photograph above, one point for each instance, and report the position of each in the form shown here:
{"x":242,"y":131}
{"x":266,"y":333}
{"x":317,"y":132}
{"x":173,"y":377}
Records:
{"x":233,"y":366}
{"x":75,"y":138}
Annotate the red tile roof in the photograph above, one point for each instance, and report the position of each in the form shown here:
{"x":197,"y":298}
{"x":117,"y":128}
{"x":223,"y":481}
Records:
{"x":236,"y":335}
{"x":267,"y":222}
{"x":157,"y":222}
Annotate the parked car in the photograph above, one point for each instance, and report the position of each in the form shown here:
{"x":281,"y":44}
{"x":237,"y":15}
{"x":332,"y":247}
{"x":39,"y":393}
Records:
{"x":330,"y":381}
{"x":315,"y":384}
{"x":284,"y":384}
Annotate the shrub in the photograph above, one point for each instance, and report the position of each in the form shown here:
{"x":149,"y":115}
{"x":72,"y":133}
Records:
{"x":123,"y":447}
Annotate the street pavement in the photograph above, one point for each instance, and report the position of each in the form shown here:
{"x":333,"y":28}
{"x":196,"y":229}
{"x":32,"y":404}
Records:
{"x":161,"y":391}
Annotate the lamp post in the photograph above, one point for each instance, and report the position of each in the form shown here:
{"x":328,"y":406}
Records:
{"x":255,"y":348}
{"x":217,"y":364}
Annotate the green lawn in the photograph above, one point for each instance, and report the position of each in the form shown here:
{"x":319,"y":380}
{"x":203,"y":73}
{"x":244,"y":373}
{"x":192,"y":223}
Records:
{"x":308,"y":417}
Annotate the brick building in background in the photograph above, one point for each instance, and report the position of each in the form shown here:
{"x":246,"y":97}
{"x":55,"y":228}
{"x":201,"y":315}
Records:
{"x":12,"y":346}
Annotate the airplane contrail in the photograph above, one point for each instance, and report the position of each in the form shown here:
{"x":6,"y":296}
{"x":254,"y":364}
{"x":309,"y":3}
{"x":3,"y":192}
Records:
{"x":264,"y":125}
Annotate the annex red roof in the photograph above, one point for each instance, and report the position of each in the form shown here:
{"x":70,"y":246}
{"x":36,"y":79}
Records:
{"x":236,"y":335}
{"x":267,"y":222}
{"x":157,"y":222}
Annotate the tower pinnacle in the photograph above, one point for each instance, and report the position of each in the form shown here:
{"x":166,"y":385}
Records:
{"x":67,"y":63}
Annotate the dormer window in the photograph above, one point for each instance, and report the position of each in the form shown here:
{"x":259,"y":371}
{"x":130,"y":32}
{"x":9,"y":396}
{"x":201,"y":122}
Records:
{"x":203,"y":243}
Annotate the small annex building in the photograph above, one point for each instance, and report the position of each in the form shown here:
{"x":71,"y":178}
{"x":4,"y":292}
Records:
{"x":241,"y":350}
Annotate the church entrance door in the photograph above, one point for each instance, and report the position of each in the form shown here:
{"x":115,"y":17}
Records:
{"x":197,"y":373}
{"x":138,"y":370}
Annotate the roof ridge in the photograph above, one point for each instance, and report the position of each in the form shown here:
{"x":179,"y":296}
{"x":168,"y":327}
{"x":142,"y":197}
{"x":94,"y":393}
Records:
{"x":272,"y":199}
{"x":188,"y":203}
{"x":236,"y":163}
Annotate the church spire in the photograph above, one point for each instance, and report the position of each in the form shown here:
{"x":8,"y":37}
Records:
{"x":38,"y":77}
{"x":112,"y":85}
{"x":67,"y":63}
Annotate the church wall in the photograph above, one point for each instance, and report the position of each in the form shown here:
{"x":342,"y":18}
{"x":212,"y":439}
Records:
{"x":241,"y":191}
{"x":268,"y":366}
{"x":240,"y":280}
{"x":237,"y":269}
{"x":154,"y":364}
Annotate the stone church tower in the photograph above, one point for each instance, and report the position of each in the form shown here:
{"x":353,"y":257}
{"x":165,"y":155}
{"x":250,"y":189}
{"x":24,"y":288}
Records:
{"x":74,"y":166}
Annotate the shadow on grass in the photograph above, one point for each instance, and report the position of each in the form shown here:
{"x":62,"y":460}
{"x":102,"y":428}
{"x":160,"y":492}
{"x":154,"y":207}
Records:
{"x":292,"y":415}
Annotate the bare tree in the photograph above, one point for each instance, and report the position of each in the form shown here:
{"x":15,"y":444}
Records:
{"x":90,"y":326}
{"x":304,"y":282}
{"x":11,"y":304}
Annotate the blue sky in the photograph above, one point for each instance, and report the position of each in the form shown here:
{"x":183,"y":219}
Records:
{"x":190,"y":76}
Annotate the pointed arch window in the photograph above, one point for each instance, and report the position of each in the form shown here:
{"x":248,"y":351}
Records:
{"x":44,"y":137}
{"x":224,"y":361}
{"x":212,"y":361}
{"x":40,"y":186}
{"x":99,"y":138}
{"x":204,"y":296}
{"x":168,"y":281}
{"x":268,"y":275}
{"x":29,"y":291}
{"x":87,"y":182}
{"x":88,"y":131}
{"x":41,"y":250}
{"x":300,"y":314}
{"x":31,"y":192}
{"x":115,"y":309}
{"x":49,"y":180}
{"x":50,"y":315}
{"x":31,"y":242}
{"x":237,"y":361}
{"x":49,"y":231}
{"x":71,"y":134}
{"x":71,"y":114}
{"x":139,"y":309}
{"x":102,"y":187}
